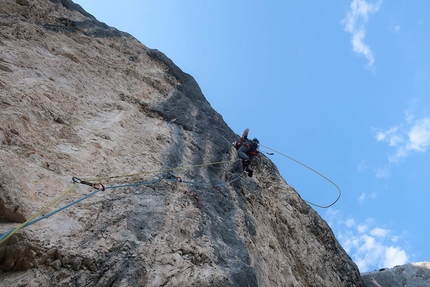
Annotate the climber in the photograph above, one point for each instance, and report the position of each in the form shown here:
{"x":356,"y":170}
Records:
{"x":247,"y":151}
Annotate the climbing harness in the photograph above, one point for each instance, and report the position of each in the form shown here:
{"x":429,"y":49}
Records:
{"x":100,"y":187}
{"x":326,"y":178}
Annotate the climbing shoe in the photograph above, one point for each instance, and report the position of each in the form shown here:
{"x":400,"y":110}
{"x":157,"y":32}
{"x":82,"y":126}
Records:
{"x":245,"y":163}
{"x":250,"y":171}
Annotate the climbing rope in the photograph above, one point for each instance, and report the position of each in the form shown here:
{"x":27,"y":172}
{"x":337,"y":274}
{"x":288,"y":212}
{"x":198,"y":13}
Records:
{"x":12,"y":232}
{"x":160,"y":171}
{"x":326,"y":178}
{"x":101,"y":187}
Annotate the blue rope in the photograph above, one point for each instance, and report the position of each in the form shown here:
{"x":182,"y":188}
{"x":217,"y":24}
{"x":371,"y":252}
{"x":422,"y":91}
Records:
{"x":112,"y":187}
{"x":51,"y":213}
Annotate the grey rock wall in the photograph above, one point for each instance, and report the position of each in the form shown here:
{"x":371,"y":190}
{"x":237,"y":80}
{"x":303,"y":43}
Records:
{"x":410,"y":275}
{"x":80,"y":98}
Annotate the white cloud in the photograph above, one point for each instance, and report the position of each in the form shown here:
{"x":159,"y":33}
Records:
{"x":331,"y":216}
{"x":409,"y":116}
{"x":361,"y":228}
{"x":354,"y":24}
{"x":365,"y":196}
{"x":379,"y":232}
{"x":349,"y":222}
{"x":383,"y":172}
{"x":371,"y":247}
{"x":417,"y":134}
{"x":391,"y":136}
{"x":395,"y":256}
{"x":362,"y":197}
{"x":362,"y":166}
{"x":359,"y":47}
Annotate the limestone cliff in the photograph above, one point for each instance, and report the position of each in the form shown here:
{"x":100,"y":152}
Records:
{"x":81,"y":99}
{"x":410,"y":275}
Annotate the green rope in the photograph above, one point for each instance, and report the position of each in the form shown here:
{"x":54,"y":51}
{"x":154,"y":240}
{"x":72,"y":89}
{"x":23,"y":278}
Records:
{"x":326,"y":178}
{"x":33,"y":219}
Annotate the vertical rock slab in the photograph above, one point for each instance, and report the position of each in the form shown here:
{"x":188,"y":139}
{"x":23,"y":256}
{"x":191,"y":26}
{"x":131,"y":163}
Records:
{"x":81,"y":99}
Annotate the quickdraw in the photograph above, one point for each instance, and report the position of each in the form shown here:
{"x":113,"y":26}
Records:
{"x":95,"y":185}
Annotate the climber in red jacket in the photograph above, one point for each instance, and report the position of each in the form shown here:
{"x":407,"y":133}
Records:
{"x":247,"y":150}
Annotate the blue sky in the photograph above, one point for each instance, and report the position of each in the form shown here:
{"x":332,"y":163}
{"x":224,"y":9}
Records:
{"x":342,"y":87}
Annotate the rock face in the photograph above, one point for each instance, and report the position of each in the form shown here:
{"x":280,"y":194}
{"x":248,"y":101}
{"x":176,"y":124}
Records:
{"x":80,"y":98}
{"x":410,"y":275}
